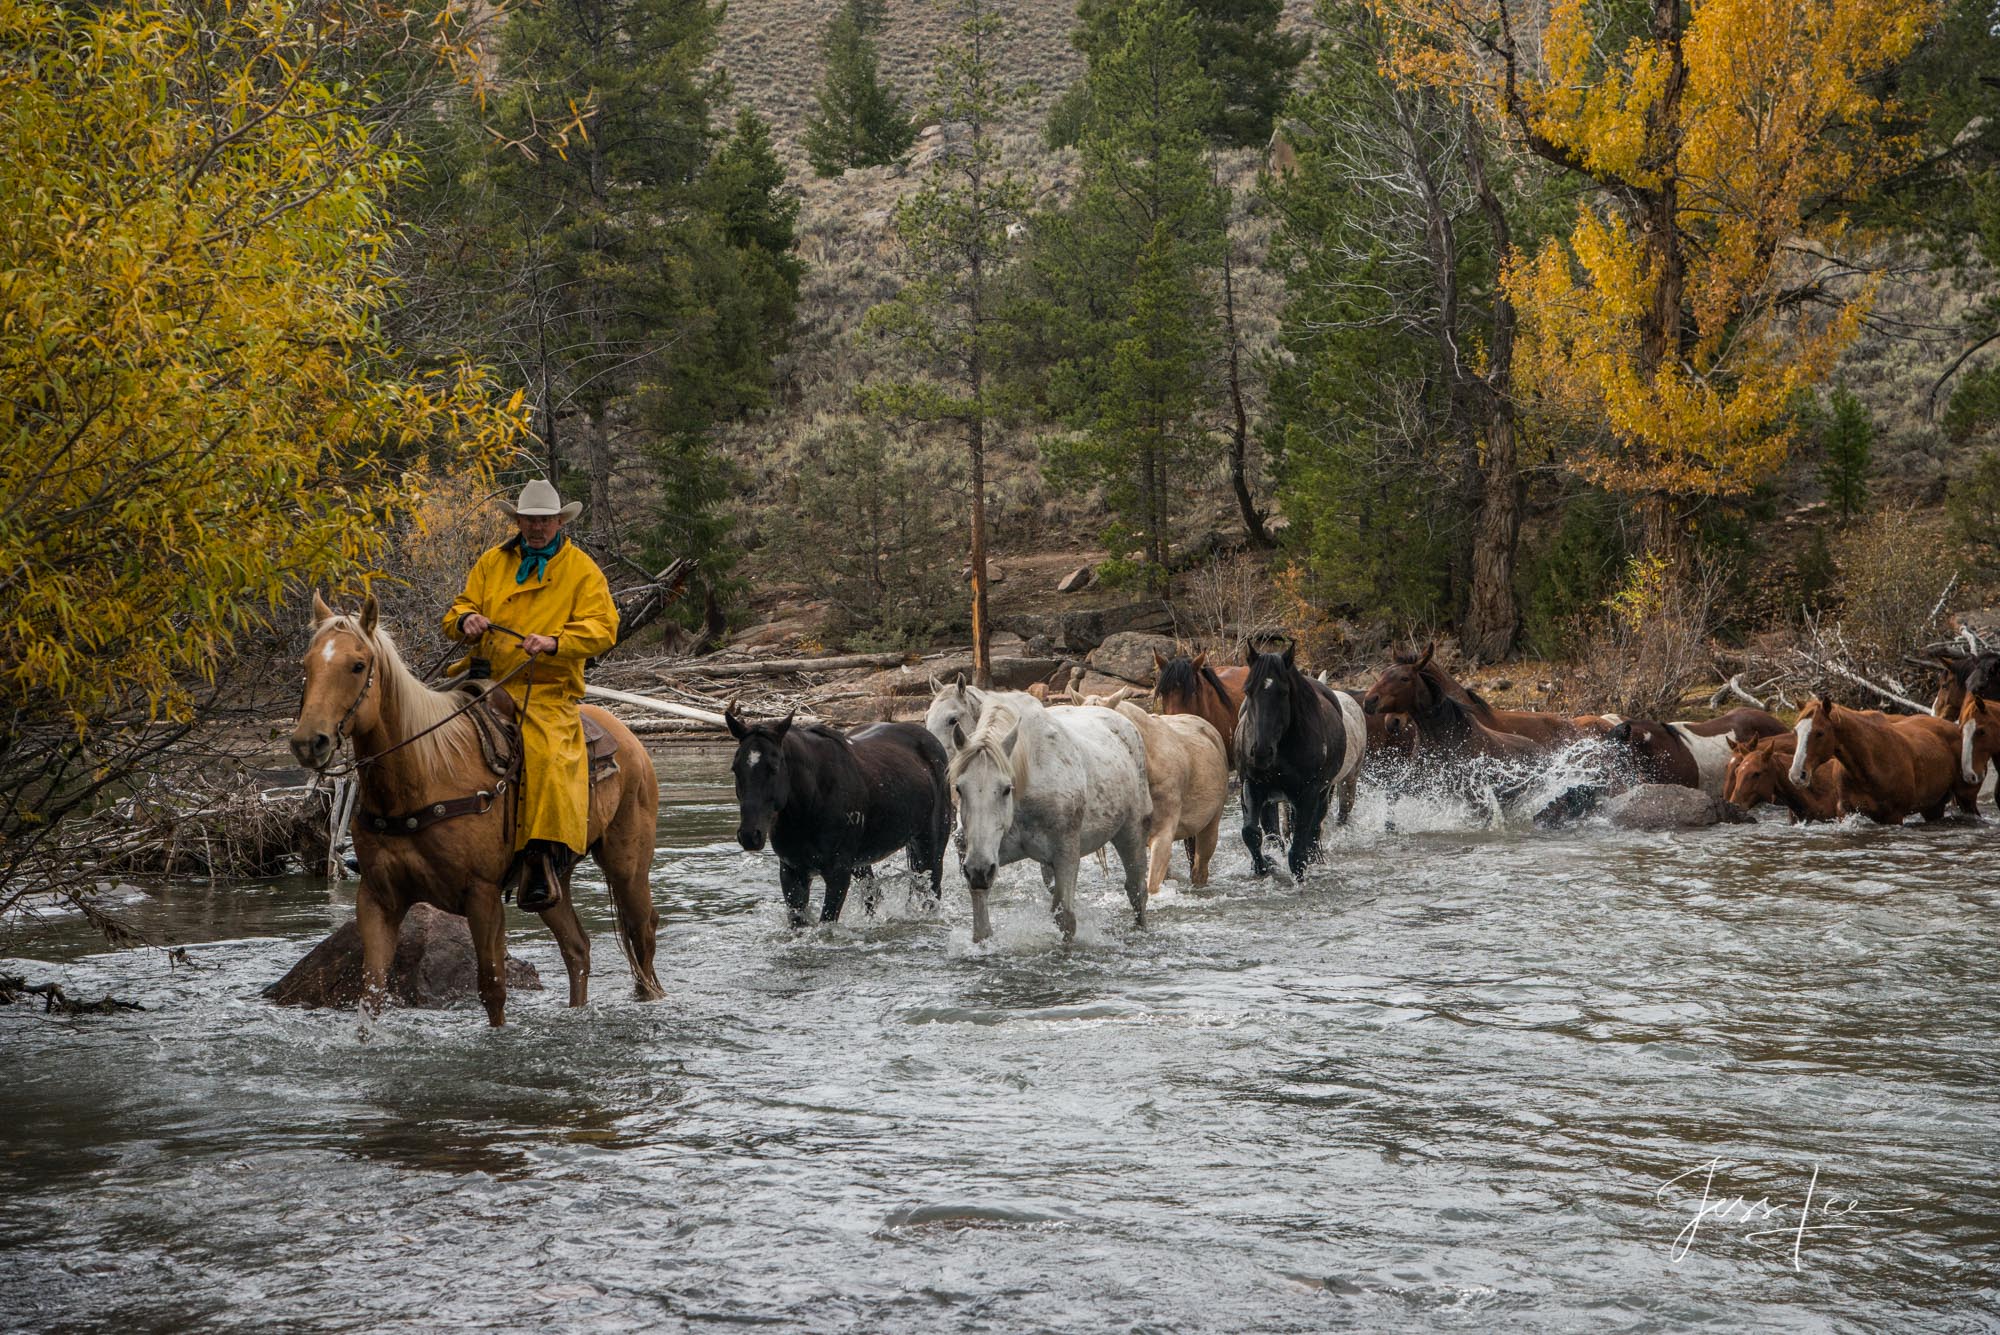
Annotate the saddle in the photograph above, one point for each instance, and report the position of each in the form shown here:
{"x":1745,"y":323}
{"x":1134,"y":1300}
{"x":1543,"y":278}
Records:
{"x":499,"y":728}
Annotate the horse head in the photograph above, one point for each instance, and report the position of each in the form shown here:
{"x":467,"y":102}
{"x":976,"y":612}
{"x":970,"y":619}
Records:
{"x":1269,"y":705}
{"x":953,"y":714}
{"x":763,"y":779}
{"x":1754,"y":766}
{"x":1403,"y":687}
{"x":1979,"y":731}
{"x":340,"y":669}
{"x":1818,"y":738}
{"x":984,"y":774}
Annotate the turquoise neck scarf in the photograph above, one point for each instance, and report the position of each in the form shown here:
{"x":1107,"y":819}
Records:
{"x":535,"y":560}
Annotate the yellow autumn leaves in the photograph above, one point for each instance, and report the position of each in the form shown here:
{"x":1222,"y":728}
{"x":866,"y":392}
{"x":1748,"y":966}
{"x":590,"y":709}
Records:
{"x":1751,"y":124}
{"x":201,"y":408}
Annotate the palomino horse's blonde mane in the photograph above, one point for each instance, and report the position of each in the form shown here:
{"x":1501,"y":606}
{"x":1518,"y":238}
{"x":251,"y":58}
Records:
{"x":417,"y":706}
{"x":987,"y":734}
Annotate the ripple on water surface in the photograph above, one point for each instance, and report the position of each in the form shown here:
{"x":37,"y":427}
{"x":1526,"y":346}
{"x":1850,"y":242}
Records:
{"x":1466,"y":1076}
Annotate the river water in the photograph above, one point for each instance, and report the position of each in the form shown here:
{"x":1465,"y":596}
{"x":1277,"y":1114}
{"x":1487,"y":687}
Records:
{"x":1467,"y":1076}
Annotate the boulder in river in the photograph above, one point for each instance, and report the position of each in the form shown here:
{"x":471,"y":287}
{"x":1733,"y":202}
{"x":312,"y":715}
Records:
{"x":434,"y":966}
{"x":1666,"y":806}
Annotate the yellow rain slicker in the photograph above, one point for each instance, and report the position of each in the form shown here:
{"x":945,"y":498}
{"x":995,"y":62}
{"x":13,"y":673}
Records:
{"x":572,"y":602}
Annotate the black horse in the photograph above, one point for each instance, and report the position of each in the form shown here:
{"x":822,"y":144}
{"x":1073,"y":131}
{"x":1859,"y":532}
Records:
{"x":836,"y":803}
{"x":1291,"y":745}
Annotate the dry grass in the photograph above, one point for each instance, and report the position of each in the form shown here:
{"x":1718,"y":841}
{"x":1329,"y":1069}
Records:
{"x":1642,"y":666}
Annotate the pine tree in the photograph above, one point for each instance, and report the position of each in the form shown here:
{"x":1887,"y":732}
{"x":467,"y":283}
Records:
{"x":1147,"y":221}
{"x":1848,"y":438}
{"x":858,"y":123}
{"x":946,"y":320}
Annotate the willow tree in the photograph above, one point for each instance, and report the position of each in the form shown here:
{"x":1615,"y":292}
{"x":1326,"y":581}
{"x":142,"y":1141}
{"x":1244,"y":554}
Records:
{"x":202,"y":412}
{"x":1712,"y":270}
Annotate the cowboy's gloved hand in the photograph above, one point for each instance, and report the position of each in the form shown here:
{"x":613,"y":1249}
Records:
{"x":538,"y":644}
{"x":473,"y":625}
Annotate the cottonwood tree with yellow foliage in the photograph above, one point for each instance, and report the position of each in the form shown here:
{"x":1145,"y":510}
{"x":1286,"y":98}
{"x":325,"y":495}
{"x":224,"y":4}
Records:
{"x":201,"y":413}
{"x":1712,"y":271}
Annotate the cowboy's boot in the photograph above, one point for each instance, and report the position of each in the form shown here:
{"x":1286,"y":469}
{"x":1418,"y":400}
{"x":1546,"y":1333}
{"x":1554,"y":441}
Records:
{"x":548,"y":864}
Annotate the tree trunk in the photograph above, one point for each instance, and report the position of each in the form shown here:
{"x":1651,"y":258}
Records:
{"x":1492,"y":619}
{"x":1239,"y":430}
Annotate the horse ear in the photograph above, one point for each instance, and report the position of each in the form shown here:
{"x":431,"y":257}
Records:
{"x":959,"y":685}
{"x":1201,"y":660}
{"x":1825,"y":702}
{"x":785,"y":726}
{"x":1249,"y":654}
{"x":1159,"y":660}
{"x":1740,"y":746}
{"x":1425,"y":659}
{"x":321,"y":611}
{"x":371,"y":612}
{"x":1013,"y":734}
{"x":1291,"y":653}
{"x":736,"y":728}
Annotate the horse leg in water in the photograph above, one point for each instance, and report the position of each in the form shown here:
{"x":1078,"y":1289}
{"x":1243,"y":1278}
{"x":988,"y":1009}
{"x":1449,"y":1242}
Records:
{"x":1347,"y":790}
{"x":837,"y":879}
{"x":575,"y":948}
{"x":626,"y":860}
{"x":1306,"y":821}
{"x":1201,"y":851}
{"x":487,"y":918}
{"x":797,"y":885}
{"x":1062,"y":892}
{"x":1253,"y":803}
{"x":1133,"y":856}
{"x":379,"y":924}
{"x":866,"y":872}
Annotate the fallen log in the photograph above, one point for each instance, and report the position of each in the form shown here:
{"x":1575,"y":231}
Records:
{"x":668,"y":707}
{"x":780,"y":666}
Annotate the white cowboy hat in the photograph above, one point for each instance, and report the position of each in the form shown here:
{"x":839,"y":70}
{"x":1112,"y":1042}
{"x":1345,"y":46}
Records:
{"x":538,"y":498}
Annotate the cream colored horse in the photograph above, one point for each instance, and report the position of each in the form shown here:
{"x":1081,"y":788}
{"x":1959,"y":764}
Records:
{"x":1187,"y":771}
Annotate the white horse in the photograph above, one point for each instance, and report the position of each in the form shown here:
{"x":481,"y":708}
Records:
{"x":1051,"y":785}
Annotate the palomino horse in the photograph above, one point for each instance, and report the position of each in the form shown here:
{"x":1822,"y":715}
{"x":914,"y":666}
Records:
{"x":1050,"y":785}
{"x":1758,"y":774}
{"x":1413,"y":678}
{"x":833,"y":803}
{"x":1190,"y":686}
{"x":1187,"y":772}
{"x":432,"y":827}
{"x":1298,"y":741}
{"x":1895,"y":764}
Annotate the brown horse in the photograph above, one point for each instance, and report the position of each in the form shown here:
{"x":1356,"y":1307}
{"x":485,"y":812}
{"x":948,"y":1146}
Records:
{"x":1758,"y":773}
{"x":1895,"y":764}
{"x":357,"y":688}
{"x":1451,"y":720}
{"x":1190,"y":686}
{"x":1412,"y":677}
{"x":1979,"y":740}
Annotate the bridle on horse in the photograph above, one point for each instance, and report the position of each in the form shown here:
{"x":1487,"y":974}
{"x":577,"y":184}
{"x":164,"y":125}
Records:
{"x":340,"y":733}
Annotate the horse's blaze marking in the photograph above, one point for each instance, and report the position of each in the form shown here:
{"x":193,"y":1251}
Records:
{"x":1804,"y":730}
{"x":1965,"y":755}
{"x":326,"y":654}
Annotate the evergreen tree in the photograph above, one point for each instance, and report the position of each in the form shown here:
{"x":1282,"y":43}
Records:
{"x":635,"y":272}
{"x":858,"y":123}
{"x":1125,"y":276}
{"x":946,"y":320}
{"x":1240,"y":50}
{"x":1847,"y":439}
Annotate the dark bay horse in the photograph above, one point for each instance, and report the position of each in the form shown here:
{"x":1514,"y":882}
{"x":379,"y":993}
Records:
{"x":1453,"y":723}
{"x":1894,"y":764}
{"x":1692,"y":755}
{"x":1412,"y":678}
{"x":836,"y":803}
{"x":419,"y":757}
{"x":1190,"y":686}
{"x":1298,"y":740}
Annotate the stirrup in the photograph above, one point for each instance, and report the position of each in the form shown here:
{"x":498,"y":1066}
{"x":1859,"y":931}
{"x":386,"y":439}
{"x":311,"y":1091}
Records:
{"x":543,"y":886}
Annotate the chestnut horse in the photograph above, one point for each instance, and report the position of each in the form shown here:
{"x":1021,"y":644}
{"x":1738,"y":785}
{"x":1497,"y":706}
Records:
{"x":1450,"y":720}
{"x":1979,"y":740}
{"x":1758,"y":773}
{"x":1412,"y":678}
{"x":1895,"y":764}
{"x":415,"y":750}
{"x":1190,"y":686}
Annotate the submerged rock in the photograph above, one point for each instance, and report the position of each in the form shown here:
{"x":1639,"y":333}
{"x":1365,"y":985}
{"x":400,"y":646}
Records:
{"x":1666,"y":806}
{"x":434,"y":966}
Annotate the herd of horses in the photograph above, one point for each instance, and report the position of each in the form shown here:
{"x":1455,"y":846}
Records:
{"x":1023,"y":779}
